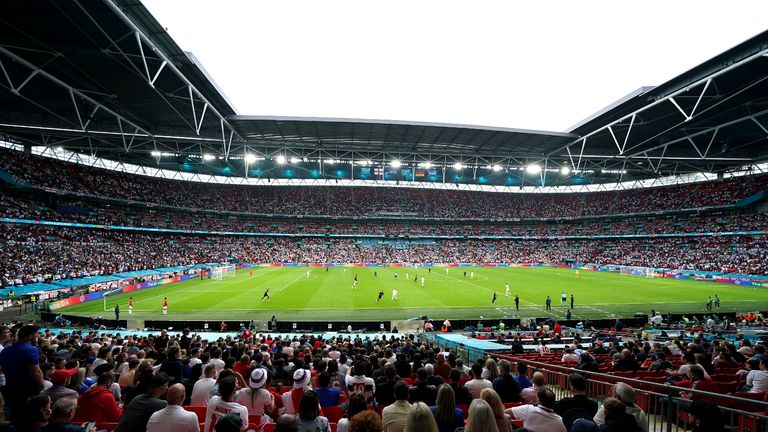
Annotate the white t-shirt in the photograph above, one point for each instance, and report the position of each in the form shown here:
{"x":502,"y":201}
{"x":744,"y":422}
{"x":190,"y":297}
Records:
{"x":536,"y":418}
{"x":219,"y":363}
{"x":475,"y":386}
{"x":758,"y":380}
{"x":217,"y":408}
{"x":255,"y":403}
{"x":201,"y":392}
{"x":363,"y":384}
{"x":173,"y":418}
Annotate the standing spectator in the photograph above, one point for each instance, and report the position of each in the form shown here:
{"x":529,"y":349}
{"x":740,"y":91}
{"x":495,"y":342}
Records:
{"x":394,"y":416}
{"x":477,"y":383}
{"x":447,"y":415}
{"x":98,"y":403}
{"x":309,"y":418}
{"x":172,"y":365}
{"x":174,"y":418}
{"x":505,"y":384}
{"x":20,"y":363}
{"x":220,"y":406}
{"x":141,"y":408}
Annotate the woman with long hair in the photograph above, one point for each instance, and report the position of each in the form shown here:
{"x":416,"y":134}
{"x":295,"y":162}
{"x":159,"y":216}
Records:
{"x":420,"y":419}
{"x":256,"y":397}
{"x":447,"y":416}
{"x":490,"y":370}
{"x":503,"y":421}
{"x":355,"y":404}
{"x":309,"y":418}
{"x":480,"y":418}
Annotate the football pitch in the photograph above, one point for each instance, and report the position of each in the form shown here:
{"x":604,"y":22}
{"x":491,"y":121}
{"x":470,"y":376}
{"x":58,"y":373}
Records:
{"x":329,"y":295}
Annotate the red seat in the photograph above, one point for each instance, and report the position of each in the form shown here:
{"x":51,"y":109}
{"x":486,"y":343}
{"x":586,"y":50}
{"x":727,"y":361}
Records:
{"x":464,"y":409}
{"x":255,"y":419}
{"x":285,"y":389}
{"x":726,"y":387}
{"x":408,"y":381}
{"x":333,"y":413}
{"x":333,"y":426}
{"x":724,"y":378}
{"x":512,"y":404}
{"x":269,"y":427}
{"x":200,"y":411}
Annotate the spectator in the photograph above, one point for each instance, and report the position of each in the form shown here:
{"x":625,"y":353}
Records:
{"x":616,"y":417}
{"x":59,"y":389}
{"x":422,"y":390}
{"x":328,"y":396}
{"x":35,"y":414}
{"x":366,"y":421}
{"x":505,"y":384}
{"x":357,"y":381}
{"x":579,"y":399}
{"x":286,"y":423}
{"x":480,"y":418}
{"x":447,"y":415}
{"x":309,"y":418}
{"x":420,"y":419}
{"x":477,"y":383}
{"x":256,"y":398}
{"x":503,"y":421}
{"x":394,"y":416}
{"x":230,"y":423}
{"x":520,"y":376}
{"x":355,"y":404}
{"x":627,"y":363}
{"x":442,"y":368}
{"x":201,"y":392}
{"x":292,"y":398}
{"x":98,"y":403}
{"x":61,"y":417}
{"x":174,"y":418}
{"x":459,"y":391}
{"x":529,"y":395}
{"x":141,"y":408}
{"x":539,"y":417}
{"x":20,"y":362}
{"x":757,"y":379}
{"x":385,"y":391}
{"x":625,"y":394}
{"x":172,"y":366}
{"x":220,"y":406}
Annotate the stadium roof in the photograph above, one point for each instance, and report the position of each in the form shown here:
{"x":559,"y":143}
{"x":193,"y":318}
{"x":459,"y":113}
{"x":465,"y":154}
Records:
{"x":104,"y":78}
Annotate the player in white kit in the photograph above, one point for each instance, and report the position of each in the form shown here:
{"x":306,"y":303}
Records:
{"x":394,"y":294}
{"x":506,"y":289}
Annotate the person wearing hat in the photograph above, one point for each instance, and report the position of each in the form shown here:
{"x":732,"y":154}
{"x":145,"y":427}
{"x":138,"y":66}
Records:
{"x":292,"y":398}
{"x":219,"y":407}
{"x":60,"y":379}
{"x":141,"y":408}
{"x":98,"y":404}
{"x":256,"y":398}
{"x":174,"y":418}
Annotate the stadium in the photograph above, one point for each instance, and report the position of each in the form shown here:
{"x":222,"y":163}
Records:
{"x":134,"y":198}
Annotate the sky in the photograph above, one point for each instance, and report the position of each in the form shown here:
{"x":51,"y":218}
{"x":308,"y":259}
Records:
{"x":541,"y":65}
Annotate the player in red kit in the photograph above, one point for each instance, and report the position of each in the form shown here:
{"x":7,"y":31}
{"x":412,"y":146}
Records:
{"x":165,"y":305}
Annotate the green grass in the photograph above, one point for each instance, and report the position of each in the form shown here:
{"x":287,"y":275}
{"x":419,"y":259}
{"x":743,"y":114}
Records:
{"x":328,"y":295}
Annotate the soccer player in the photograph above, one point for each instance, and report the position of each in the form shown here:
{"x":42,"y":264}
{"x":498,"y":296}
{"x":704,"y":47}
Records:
{"x":117,"y":312}
{"x":375,"y":273}
{"x":429,"y":270}
{"x":395,"y":275}
{"x":381,"y":294}
{"x":266,"y":295}
{"x":717,"y":302}
{"x":571,"y":300}
{"x":130,"y":305}
{"x":422,"y":281}
{"x":406,"y":276}
{"x":165,"y":305}
{"x":307,"y":274}
{"x":563,"y":298}
{"x":354,"y":283}
{"x":709,"y":303}
{"x":446,"y":270}
{"x":494,"y":298}
{"x":471,"y":275}
{"x":506,"y":289}
{"x":577,"y":272}
{"x":394,"y":294}
{"x":465,"y":274}
{"x":517,"y":302}
{"x":549,"y":303}
{"x":250,"y":274}
{"x":415,"y":278}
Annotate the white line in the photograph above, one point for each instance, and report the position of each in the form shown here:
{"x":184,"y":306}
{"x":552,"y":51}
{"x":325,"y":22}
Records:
{"x":303,"y":275}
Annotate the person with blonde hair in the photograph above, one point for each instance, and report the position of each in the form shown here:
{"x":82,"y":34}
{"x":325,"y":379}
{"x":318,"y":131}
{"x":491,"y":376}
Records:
{"x":447,"y":415}
{"x":420,"y":419}
{"x":490,"y":370}
{"x":480,"y":418}
{"x":503,"y":421}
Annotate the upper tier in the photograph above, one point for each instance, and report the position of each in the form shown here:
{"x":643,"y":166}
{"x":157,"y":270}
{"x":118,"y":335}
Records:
{"x":371,"y":201}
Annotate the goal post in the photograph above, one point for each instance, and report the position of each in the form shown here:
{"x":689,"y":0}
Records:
{"x":219,"y":273}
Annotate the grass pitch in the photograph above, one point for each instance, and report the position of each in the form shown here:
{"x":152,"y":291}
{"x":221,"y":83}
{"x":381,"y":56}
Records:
{"x":328,"y":295}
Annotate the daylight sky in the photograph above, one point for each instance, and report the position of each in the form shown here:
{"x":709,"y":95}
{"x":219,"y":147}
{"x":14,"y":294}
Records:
{"x":542,"y":65}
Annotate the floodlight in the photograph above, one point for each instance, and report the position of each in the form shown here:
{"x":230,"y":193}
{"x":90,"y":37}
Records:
{"x":208,"y":157}
{"x":155,"y":153}
{"x":281,"y":160}
{"x":395,"y":163}
{"x":427,"y":165}
{"x":458,"y":166}
{"x":250,"y":158}
{"x":533,"y":169}
{"x":329,"y":161}
{"x":295,"y":160}
{"x":565,"y":170}
{"x":496,"y":168}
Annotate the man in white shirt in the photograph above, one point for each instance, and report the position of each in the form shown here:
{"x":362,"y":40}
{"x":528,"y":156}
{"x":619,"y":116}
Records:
{"x":395,"y":416}
{"x":357,"y":381}
{"x":539,"y":417}
{"x":194,"y":358}
{"x":216,"y":360}
{"x":174,"y":418}
{"x":201,"y":392}
{"x":478,"y":383}
{"x":757,"y":379}
{"x":220,"y":406}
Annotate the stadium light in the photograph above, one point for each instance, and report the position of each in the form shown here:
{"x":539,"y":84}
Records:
{"x":208,"y":157}
{"x":250,"y":158}
{"x":155,"y":153}
{"x":295,"y":160}
{"x":458,"y":166}
{"x":329,"y":161}
{"x":496,"y":168}
{"x":427,"y":165}
{"x":565,"y":170}
{"x":396,"y":163}
{"x":533,"y":169}
{"x":281,"y":160}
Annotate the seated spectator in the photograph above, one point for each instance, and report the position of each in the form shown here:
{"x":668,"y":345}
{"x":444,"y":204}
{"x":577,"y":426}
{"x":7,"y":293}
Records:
{"x":520,"y":376}
{"x":328,"y":396}
{"x":230,"y":423}
{"x":141,"y":408}
{"x":385,"y":390}
{"x":292,"y":398}
{"x":5,"y":426}
{"x":757,"y":380}
{"x":173,"y":418}
{"x":459,"y":391}
{"x":480,"y":418}
{"x":366,"y":421}
{"x":477,"y":383}
{"x":220,"y":406}
{"x":357,"y":381}
{"x":626,"y":394}
{"x":539,"y":417}
{"x":355,"y":404}
{"x":61,"y":417}
{"x":422,"y":390}
{"x":420,"y":419}
{"x":98,"y":403}
{"x":58,"y":390}
{"x":309,"y":418}
{"x":505,"y":384}
{"x":37,"y":411}
{"x":529,"y":395}
{"x":447,"y":415}
{"x":286,"y":423}
{"x":394,"y":416}
{"x":579,"y":399}
{"x":256,"y":398}
{"x":201,"y":392}
{"x":587,"y":363}
{"x":627,"y":362}
{"x":569,"y":358}
{"x":503,"y":421}
{"x":616,"y":417}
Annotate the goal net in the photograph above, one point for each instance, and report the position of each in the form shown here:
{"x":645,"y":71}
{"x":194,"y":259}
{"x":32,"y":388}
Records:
{"x":219,"y":273}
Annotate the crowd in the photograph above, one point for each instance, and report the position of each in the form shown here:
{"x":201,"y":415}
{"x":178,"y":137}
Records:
{"x":164,"y":382}
{"x":368,"y":201}
{"x":34,"y":253}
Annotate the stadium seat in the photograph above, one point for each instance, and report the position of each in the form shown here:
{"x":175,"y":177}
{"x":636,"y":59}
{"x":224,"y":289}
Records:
{"x":464,"y":409}
{"x":255,"y":419}
{"x":269,"y":427}
{"x":334,"y":413}
{"x":200,"y":411}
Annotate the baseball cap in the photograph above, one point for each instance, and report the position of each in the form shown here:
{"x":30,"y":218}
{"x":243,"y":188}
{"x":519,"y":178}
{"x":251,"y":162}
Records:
{"x":60,"y":376}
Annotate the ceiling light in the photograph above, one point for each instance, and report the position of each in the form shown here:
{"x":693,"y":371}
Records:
{"x":565,"y":170}
{"x":395,"y":163}
{"x":458,"y":166}
{"x":281,"y":160}
{"x":533,"y":169}
{"x":208,"y":157}
{"x":496,"y":168}
{"x":155,"y":153}
{"x":249,"y":158}
{"x":295,"y":160}
{"x":329,"y":161}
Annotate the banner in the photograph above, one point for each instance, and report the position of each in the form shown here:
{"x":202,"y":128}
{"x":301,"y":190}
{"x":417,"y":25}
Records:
{"x":128,"y":288}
